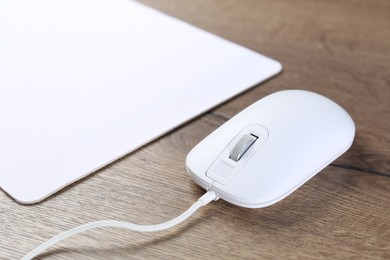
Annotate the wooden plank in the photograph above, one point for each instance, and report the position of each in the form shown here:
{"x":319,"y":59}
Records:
{"x":338,"y":49}
{"x":339,"y":213}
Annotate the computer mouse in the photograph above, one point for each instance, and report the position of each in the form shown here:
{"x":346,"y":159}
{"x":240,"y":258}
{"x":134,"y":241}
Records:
{"x":271,"y":148}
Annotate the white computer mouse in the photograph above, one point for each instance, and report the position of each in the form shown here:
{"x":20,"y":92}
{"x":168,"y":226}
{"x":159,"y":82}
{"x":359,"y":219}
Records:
{"x":271,"y":148}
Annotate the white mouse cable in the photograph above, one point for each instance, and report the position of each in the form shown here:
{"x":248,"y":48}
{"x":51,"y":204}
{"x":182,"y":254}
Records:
{"x":202,"y":201}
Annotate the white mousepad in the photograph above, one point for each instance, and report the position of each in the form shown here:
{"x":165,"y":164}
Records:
{"x":85,"y":82}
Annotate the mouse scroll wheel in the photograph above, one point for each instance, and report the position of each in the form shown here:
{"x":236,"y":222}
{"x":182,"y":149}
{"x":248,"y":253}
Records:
{"x":242,"y":146}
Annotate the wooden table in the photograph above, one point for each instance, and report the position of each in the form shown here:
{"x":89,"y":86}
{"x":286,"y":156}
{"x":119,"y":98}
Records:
{"x":340,"y":49}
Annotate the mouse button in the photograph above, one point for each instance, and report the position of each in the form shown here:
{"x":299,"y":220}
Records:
{"x":246,"y":192}
{"x":223,"y":170}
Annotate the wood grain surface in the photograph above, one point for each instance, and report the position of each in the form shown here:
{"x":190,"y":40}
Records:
{"x":340,"y":49}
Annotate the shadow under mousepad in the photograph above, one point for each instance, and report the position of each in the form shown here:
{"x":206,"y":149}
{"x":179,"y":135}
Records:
{"x":85,"y":82}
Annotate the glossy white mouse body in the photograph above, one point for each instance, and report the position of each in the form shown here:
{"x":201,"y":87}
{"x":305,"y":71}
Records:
{"x":271,"y":148}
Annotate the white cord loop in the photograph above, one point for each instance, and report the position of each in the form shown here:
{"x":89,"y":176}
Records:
{"x":202,"y":201}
